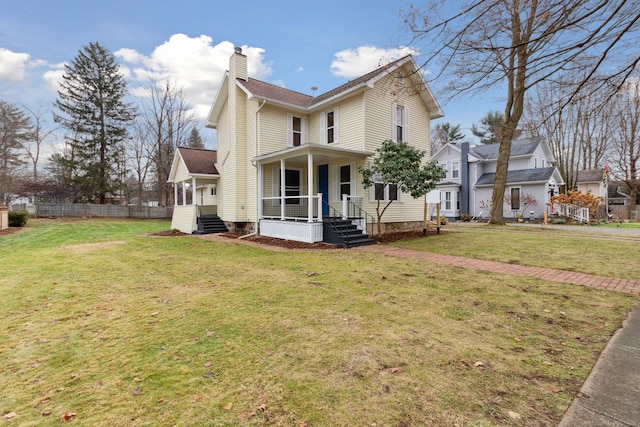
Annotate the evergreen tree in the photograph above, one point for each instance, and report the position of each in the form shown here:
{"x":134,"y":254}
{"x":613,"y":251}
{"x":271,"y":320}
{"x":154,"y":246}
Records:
{"x":195,"y":140}
{"x":15,"y":130}
{"x":92,"y":108}
{"x":490,"y":129}
{"x":443,"y":134}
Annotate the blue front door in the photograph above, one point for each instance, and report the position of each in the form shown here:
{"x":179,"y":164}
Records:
{"x":323,"y":187}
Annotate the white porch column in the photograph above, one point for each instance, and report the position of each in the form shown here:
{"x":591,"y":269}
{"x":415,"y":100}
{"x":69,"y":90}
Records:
{"x":282,"y":190}
{"x":260,"y":191}
{"x":193,"y":192}
{"x":310,"y":187}
{"x":175,"y":194}
{"x":184,"y":194}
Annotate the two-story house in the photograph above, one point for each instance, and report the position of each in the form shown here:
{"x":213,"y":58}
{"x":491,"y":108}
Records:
{"x":287,"y":162}
{"x":468,"y":186}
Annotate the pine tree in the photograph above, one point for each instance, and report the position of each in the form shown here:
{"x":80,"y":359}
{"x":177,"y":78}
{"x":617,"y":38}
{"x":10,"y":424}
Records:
{"x":195,"y":140}
{"x":92,"y":108}
{"x":15,"y":130}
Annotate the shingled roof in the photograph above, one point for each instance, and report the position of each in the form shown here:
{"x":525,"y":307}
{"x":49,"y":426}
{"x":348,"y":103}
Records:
{"x":283,"y":95}
{"x":518,"y":176}
{"x":199,"y":161}
{"x":519,"y":147}
{"x":590,"y":175}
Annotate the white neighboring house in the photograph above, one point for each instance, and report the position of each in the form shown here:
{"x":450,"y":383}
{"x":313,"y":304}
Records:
{"x":468,"y":185}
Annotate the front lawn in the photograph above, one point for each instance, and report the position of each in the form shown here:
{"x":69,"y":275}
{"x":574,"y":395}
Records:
{"x":592,"y":253}
{"x":102,"y":324}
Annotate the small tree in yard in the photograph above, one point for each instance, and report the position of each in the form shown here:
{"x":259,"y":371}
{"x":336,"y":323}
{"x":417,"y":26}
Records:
{"x":398,"y":166}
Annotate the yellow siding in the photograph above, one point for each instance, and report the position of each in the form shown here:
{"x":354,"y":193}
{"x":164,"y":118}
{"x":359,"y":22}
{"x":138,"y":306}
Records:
{"x":251,"y":174}
{"x":224,"y":152}
{"x":181,"y":171}
{"x":273,"y":129}
{"x":351,"y":126}
{"x":240,"y":159}
{"x":378,"y":127}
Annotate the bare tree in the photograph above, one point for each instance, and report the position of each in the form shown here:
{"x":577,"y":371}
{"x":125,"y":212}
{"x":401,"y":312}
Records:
{"x":577,"y":133}
{"x":40,"y":136}
{"x":520,"y":43}
{"x":167,"y":118}
{"x":625,"y":156}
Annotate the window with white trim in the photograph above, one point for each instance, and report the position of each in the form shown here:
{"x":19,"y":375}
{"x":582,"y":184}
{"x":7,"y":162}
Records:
{"x":384,"y":192}
{"x":345,"y":180}
{"x":296,"y":130}
{"x":458,"y":200}
{"x":535,"y":162}
{"x":514,"y":198}
{"x":400,"y":126}
{"x":329,"y":125}
{"x":447,"y":200}
{"x":542,"y":163}
{"x":455,"y":169}
{"x":443,"y":165}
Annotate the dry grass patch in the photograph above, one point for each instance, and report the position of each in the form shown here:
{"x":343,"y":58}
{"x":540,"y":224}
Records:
{"x":182,"y":331}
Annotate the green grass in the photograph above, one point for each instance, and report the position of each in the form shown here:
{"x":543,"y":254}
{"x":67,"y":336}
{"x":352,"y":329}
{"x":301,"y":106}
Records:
{"x":120,"y":328}
{"x":599,"y":254}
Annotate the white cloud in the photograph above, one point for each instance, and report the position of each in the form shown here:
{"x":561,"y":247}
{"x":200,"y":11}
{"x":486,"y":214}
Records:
{"x":350,"y":63}
{"x":194,"y":63}
{"x":53,"y":77}
{"x":13,"y":65}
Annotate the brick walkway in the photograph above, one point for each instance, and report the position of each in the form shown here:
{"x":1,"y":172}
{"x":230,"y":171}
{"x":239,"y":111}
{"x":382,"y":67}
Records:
{"x":614,"y":284}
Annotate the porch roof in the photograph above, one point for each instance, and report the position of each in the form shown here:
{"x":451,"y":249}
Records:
{"x":320,"y":152}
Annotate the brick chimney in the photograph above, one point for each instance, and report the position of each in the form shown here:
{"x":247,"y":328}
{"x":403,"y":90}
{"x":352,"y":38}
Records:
{"x":238,"y":65}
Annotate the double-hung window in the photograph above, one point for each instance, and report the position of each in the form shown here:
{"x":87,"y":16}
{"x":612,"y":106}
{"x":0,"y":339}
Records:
{"x":329,"y":127}
{"x":345,"y":180}
{"x":384,"y":192}
{"x":400,"y":123}
{"x":515,"y":199}
{"x":447,"y":200}
{"x":296,"y":130}
{"x":455,"y":170}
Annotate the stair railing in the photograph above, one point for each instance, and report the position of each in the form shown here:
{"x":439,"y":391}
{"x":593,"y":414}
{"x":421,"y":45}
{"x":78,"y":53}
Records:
{"x":359,"y":216}
{"x":332,"y":220}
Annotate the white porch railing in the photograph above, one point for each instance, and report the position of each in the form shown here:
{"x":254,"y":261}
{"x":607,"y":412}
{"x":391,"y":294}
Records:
{"x":293,"y":208}
{"x":578,"y":213}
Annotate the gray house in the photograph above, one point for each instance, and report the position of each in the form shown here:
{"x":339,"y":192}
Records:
{"x":468,"y":185}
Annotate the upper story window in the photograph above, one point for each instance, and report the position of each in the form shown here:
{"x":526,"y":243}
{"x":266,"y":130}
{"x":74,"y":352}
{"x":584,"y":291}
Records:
{"x":296,"y":130}
{"x":330,"y":127}
{"x":399,"y":123}
{"x":535,"y":162}
{"x":455,"y":170}
{"x":541,"y":163}
{"x":443,"y":165}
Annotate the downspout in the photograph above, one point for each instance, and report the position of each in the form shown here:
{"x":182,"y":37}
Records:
{"x":255,"y":233}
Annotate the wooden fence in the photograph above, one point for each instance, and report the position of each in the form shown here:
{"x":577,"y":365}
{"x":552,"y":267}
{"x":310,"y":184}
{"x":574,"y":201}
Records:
{"x":101,"y":211}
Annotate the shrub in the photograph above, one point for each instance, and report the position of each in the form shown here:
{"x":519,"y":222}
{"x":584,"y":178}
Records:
{"x":465,"y":217}
{"x":18,"y":219}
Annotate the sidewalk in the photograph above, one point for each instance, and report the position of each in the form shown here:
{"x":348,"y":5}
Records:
{"x":611,"y":394}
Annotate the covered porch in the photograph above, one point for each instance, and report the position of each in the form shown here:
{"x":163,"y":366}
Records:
{"x":303,"y":190}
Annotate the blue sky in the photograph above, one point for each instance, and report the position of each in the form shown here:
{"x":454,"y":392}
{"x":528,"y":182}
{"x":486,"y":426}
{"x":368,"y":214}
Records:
{"x":295,"y":44}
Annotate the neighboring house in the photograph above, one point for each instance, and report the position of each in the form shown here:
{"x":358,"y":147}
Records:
{"x":468,"y":186}
{"x":591,"y":181}
{"x":287,"y":163}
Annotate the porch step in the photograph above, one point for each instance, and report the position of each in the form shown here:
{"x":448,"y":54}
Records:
{"x":343,"y":232}
{"x":209,"y":224}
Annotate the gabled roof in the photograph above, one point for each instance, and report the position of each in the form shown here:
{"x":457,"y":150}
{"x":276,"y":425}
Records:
{"x":199,"y":161}
{"x":291,"y":99}
{"x":589,"y":175}
{"x":519,"y":147}
{"x":520,"y":176}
